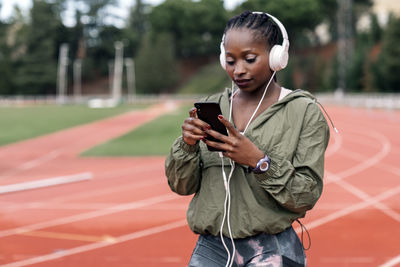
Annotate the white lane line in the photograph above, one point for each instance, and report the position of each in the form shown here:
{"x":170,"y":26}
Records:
{"x":135,"y":171}
{"x":79,"y":206}
{"x":89,"y":215}
{"x":370,"y":162}
{"x":364,"y":196}
{"x":93,"y":246}
{"x":31,"y":164}
{"x":63,"y":200}
{"x":365,"y":164}
{"x":333,"y":148}
{"x":350,"y":209}
{"x":45,"y":182}
{"x":360,"y":157}
{"x":36,"y":162}
{"x":392,"y":262}
{"x":368,"y":201}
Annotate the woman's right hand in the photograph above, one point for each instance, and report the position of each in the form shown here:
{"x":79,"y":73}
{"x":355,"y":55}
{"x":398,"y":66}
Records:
{"x":193,"y":129}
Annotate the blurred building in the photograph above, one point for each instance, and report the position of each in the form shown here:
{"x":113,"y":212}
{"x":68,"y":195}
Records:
{"x":382,"y":8}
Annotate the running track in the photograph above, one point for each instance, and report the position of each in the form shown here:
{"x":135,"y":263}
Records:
{"x":120,"y":211}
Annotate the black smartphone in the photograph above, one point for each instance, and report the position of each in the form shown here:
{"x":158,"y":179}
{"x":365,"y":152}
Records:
{"x":208,"y":112}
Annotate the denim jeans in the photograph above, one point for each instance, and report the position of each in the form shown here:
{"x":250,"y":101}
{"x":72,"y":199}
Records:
{"x":280,"y":250}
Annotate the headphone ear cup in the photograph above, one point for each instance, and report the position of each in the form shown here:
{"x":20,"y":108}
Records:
{"x":278,"y":58}
{"x":222,"y":58}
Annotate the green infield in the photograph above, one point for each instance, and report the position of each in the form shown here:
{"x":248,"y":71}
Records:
{"x":19,"y":123}
{"x":208,"y":80}
{"x":151,"y":139}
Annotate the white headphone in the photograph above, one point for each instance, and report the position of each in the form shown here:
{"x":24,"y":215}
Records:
{"x":278,"y":55}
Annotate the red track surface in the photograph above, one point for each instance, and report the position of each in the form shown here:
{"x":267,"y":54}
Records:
{"x":127,"y":216}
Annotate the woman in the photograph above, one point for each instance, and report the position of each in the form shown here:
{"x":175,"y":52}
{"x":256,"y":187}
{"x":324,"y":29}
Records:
{"x":276,"y":145}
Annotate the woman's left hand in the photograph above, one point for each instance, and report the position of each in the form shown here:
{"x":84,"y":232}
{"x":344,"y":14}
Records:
{"x":236,"y":146}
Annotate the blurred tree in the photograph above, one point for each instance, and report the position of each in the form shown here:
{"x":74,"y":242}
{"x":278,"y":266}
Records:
{"x":105,"y":50}
{"x":12,"y":46}
{"x":388,"y":67}
{"x":93,"y":17}
{"x":137,"y":26}
{"x":298,"y":16}
{"x":356,"y":74}
{"x":156,"y":66}
{"x":359,"y":76}
{"x":37,"y":66}
{"x":77,"y":38}
{"x":301,"y":17}
{"x":375,"y":33}
{"x":191,"y":29}
{"x":213,"y":18}
{"x":196,"y":27}
{"x":6,"y":81}
{"x":93,"y":36}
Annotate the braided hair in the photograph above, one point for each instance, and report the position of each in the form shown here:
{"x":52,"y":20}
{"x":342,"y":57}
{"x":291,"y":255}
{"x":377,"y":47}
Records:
{"x":262,"y":25}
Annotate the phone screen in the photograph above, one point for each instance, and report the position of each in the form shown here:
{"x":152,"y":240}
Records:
{"x":208,"y":112}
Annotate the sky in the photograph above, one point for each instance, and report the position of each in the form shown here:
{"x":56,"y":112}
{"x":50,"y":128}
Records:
{"x":7,"y":6}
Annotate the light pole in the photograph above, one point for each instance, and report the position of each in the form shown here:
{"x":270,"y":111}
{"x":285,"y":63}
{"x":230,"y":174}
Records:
{"x":130,"y":77}
{"x":62,"y":73}
{"x":118,"y":69}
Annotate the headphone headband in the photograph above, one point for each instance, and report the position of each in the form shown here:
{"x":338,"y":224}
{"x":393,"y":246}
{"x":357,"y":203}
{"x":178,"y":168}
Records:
{"x":280,"y":25}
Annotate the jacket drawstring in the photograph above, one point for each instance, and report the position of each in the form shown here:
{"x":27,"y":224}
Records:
{"x":308,"y":234}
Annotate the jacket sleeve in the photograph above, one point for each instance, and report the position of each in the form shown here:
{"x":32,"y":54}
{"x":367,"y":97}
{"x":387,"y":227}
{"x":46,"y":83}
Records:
{"x":297,"y":184}
{"x":182,"y":168}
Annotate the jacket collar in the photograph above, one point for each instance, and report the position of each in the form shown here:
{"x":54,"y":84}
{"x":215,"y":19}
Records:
{"x":270,"y":111}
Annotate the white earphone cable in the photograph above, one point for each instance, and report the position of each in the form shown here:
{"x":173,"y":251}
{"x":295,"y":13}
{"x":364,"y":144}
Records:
{"x":227,"y":206}
{"x":227,"y":202}
{"x":233,"y":93}
{"x":259,"y":103}
{"x":229,"y":209}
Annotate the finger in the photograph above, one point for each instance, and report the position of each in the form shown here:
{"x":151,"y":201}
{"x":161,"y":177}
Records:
{"x":201,"y":125}
{"x":198,"y":123}
{"x":227,"y":154}
{"x":231,"y":129}
{"x":193,"y":112}
{"x":223,"y":138}
{"x":192,"y":128}
{"x":217,"y":145}
{"x":190,"y":136}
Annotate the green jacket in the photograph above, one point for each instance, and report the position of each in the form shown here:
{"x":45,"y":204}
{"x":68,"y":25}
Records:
{"x":294,"y":133}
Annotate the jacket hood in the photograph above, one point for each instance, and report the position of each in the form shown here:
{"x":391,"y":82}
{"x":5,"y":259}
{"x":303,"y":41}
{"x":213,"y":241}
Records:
{"x":296,"y":94}
{"x":224,"y":100}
